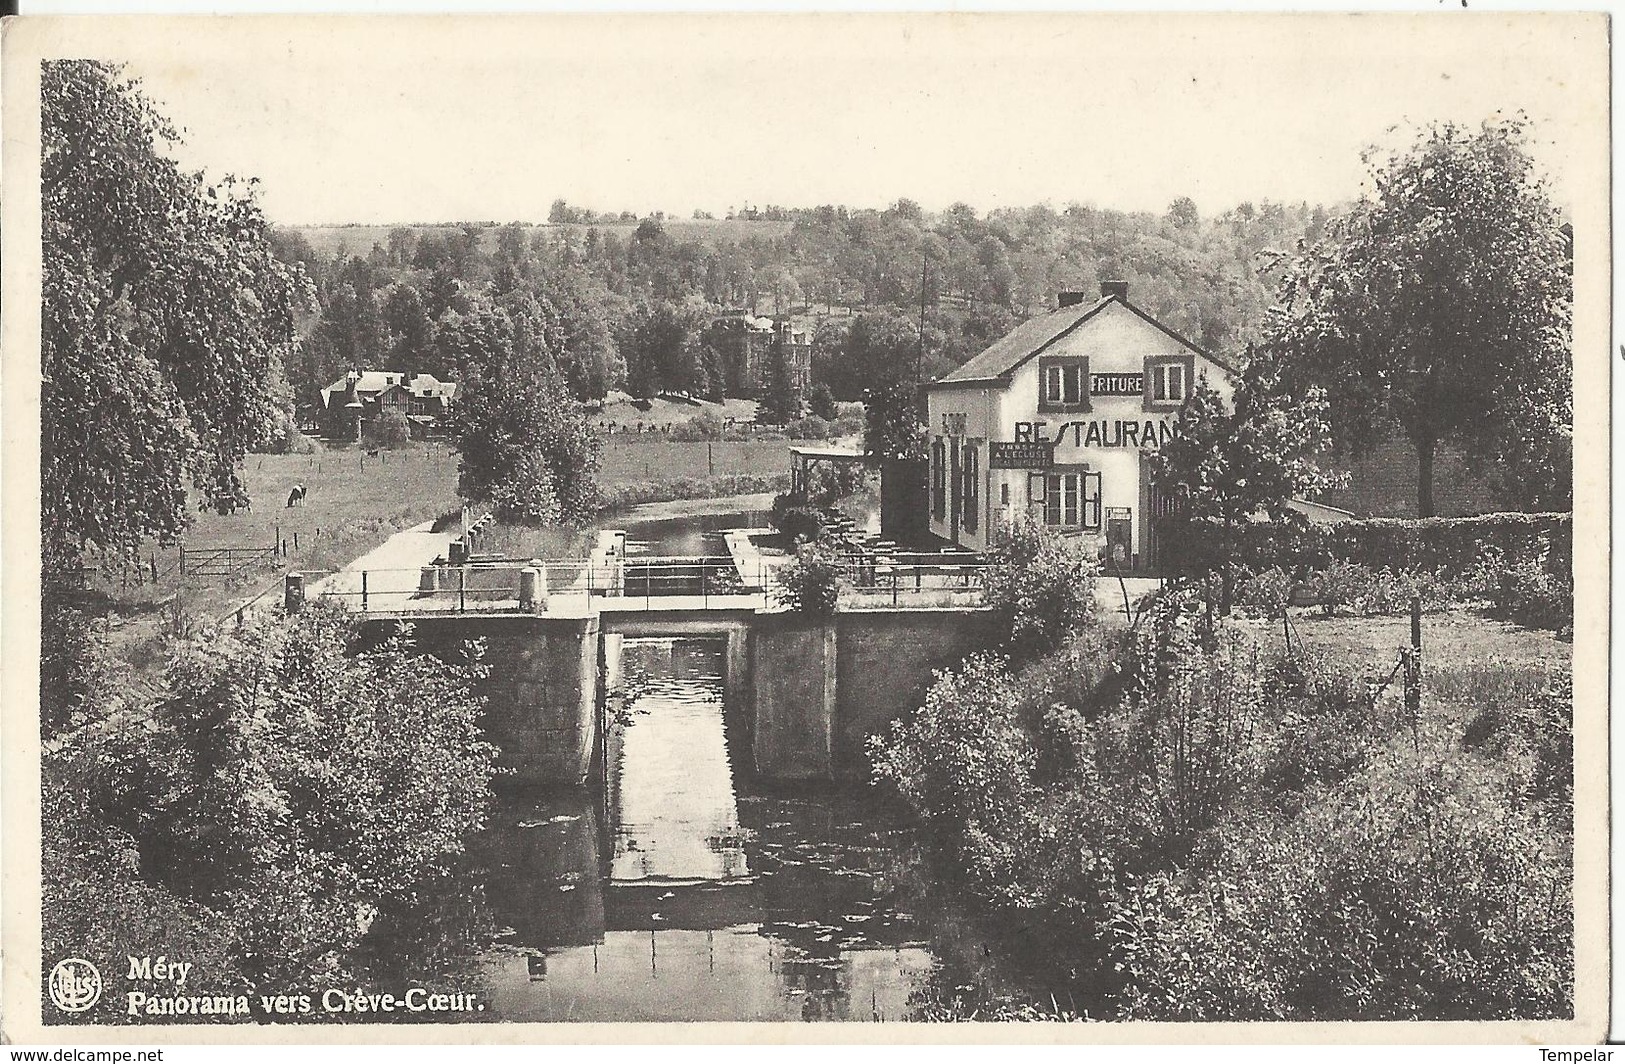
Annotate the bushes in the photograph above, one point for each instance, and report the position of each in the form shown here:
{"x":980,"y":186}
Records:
{"x":1212,"y":833}
{"x":1415,"y":891}
{"x":1040,"y":587}
{"x":810,"y":427}
{"x":821,"y":402}
{"x":810,"y":585}
{"x":1527,"y":592}
{"x":280,"y":793}
{"x":796,"y":516}
{"x":1347,"y":589}
{"x":389,"y":429}
{"x":1452,"y":545}
{"x":526,"y":496}
{"x":705,"y":425}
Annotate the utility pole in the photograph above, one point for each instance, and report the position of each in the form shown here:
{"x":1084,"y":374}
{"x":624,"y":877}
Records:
{"x":919,"y":355}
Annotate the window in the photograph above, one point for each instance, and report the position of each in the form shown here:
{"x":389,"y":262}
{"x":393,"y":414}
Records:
{"x":970,"y":490}
{"x":939,"y":479}
{"x":1168,"y":386}
{"x":1063,"y":383}
{"x":1070,"y":499}
{"x":1168,"y":382}
{"x":1061,"y":500}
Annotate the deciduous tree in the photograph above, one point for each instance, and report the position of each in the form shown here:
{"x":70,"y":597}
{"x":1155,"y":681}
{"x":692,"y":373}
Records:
{"x":1441,"y":305}
{"x":167,"y":320}
{"x":1228,"y":465}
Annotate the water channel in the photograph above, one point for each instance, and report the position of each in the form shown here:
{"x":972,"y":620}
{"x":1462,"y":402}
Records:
{"x":685,"y":889}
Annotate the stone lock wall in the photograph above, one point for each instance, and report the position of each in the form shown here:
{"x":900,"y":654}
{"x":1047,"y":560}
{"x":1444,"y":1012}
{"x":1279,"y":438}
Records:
{"x":820,"y":688}
{"x":541,"y":698}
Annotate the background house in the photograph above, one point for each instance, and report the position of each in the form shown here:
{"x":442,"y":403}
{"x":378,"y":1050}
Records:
{"x":745,"y":343}
{"x":359,"y":396}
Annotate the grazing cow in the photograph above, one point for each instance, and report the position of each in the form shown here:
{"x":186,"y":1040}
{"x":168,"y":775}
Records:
{"x":296,"y":497}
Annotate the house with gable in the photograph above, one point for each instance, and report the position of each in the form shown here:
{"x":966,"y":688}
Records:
{"x":1057,"y":420}
{"x":358,"y":397}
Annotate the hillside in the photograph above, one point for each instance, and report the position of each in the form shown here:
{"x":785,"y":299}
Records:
{"x":332,"y":240}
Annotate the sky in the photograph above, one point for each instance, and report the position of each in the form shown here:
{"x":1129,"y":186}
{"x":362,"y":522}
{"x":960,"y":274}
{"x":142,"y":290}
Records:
{"x":474,"y":119}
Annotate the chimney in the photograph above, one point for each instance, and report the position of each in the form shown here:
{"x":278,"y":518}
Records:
{"x":1067,"y":299}
{"x":1108,"y":289}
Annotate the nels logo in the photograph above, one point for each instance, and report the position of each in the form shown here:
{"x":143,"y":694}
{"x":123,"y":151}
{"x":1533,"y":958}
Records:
{"x":75,"y":985}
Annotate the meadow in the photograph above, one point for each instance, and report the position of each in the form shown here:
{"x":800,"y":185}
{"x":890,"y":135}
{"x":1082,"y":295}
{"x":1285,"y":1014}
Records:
{"x":355,"y":501}
{"x":627,"y":459}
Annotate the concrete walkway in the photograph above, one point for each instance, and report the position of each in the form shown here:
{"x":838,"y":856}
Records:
{"x":393,"y":569}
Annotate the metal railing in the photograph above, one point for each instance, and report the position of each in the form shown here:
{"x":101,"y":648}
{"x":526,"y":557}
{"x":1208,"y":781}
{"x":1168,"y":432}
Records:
{"x":200,"y":562}
{"x":487,"y":585}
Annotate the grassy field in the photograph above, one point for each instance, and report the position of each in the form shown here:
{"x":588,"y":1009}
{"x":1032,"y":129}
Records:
{"x":1453,"y":640}
{"x":352,"y":503}
{"x":632,"y":460}
{"x":619,"y":412}
{"x":359,"y":239}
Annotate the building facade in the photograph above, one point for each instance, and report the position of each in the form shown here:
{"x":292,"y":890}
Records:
{"x":1057,"y":421}
{"x":745,"y":345}
{"x":360,"y":396}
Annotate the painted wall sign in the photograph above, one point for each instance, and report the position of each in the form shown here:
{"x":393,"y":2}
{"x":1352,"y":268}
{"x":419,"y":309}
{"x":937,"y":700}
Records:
{"x":1026,"y":455}
{"x":1117,"y":384}
{"x":1147,"y":434}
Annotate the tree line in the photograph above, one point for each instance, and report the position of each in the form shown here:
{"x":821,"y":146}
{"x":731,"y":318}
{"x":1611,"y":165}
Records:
{"x":642,"y":294}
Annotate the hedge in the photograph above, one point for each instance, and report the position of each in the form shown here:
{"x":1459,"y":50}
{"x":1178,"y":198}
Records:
{"x":1450,"y":545}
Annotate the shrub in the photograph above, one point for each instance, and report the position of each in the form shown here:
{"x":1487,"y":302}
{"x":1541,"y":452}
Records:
{"x":1437,"y":544}
{"x":967,"y":763}
{"x":1535,"y":730}
{"x":821,"y":402}
{"x":828,"y":483}
{"x":1410,"y":892}
{"x":1529,"y":591}
{"x":285,"y":785}
{"x":75,"y":674}
{"x":795,"y":515}
{"x":848,"y":424}
{"x":811,"y":584}
{"x":811,"y":427}
{"x":706,"y":425}
{"x":1264,"y":594}
{"x":526,"y":496}
{"x":1189,"y":737}
{"x":389,"y":429}
{"x":1040,"y":587}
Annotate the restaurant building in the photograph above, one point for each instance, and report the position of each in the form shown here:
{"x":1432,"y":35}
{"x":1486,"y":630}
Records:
{"x":1057,"y":420}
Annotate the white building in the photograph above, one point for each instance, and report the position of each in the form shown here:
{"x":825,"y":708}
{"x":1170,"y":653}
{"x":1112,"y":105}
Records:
{"x":1056,"y":420}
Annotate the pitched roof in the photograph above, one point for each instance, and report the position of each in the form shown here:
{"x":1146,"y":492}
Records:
{"x":370,"y":383}
{"x":1035,"y":335}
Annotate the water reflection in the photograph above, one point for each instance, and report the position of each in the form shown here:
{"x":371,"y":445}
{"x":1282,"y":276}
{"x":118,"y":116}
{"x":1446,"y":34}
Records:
{"x":692,"y":901}
{"x":672,"y":807}
{"x":692,"y":535}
